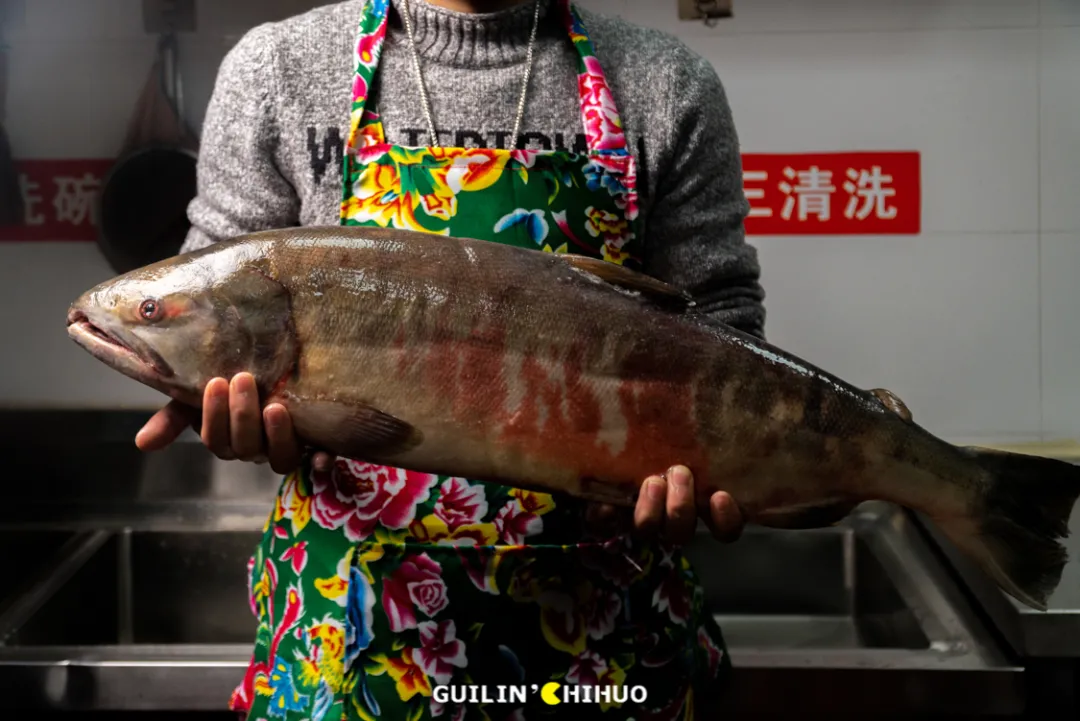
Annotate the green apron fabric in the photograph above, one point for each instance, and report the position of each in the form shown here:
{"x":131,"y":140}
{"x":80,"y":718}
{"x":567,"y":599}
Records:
{"x":385,"y":593}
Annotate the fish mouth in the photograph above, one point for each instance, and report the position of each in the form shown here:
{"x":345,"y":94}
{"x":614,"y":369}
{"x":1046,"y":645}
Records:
{"x":144,"y":362}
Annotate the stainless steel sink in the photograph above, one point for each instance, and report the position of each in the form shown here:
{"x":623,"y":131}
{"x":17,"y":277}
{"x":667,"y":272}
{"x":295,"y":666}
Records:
{"x":153,"y":588}
{"x":131,"y":620}
{"x":23,"y":555}
{"x":821,"y":589}
{"x":862,"y":591}
{"x":859,"y":618}
{"x":158,"y":619}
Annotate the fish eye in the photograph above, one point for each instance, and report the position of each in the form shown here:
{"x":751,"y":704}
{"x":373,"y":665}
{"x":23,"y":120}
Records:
{"x":150,"y":310}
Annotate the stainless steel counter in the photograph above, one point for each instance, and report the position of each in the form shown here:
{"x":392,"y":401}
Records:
{"x":128,"y":591}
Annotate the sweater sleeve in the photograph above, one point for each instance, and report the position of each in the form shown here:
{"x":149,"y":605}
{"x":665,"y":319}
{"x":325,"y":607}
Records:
{"x":695,"y":238}
{"x":240,"y":186}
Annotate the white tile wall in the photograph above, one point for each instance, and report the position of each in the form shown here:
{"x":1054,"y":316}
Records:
{"x":968,"y":101}
{"x":38,"y":281}
{"x":1059,"y":12}
{"x":949,"y":322}
{"x":1061,"y":334}
{"x":1059,"y":113}
{"x":54,"y":20}
{"x":75,"y":20}
{"x":59,"y":110}
{"x":976,"y":323}
{"x":829,"y":16}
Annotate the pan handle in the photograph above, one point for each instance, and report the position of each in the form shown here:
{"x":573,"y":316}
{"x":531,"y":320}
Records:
{"x":169,"y":53}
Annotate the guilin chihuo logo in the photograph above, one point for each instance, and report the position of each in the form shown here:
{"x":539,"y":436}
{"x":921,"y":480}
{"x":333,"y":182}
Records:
{"x":552,"y":693}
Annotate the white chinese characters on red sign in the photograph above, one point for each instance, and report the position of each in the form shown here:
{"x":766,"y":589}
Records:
{"x":74,"y":200}
{"x":836,"y":194}
{"x":802,"y":194}
{"x":59,"y":200}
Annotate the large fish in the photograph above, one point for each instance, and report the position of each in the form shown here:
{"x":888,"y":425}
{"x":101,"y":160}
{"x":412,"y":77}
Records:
{"x":559,"y":373}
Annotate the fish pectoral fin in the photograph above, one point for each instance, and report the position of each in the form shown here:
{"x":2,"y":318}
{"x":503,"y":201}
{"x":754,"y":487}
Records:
{"x":806,"y":516}
{"x":353,"y":430}
{"x":892,"y":402}
{"x":655,"y":290}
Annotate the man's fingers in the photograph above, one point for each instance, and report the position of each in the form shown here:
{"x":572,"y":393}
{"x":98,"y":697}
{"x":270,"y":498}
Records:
{"x":165,"y":426}
{"x":681,"y":511}
{"x":215,"y":425}
{"x":649,"y":510}
{"x":245,"y":418}
{"x":725,"y":518}
{"x":283,"y":450}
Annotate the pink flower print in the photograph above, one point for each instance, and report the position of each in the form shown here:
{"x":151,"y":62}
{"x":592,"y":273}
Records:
{"x":564,"y":225}
{"x":481,"y":567}
{"x":525,"y":156}
{"x":369,"y":47}
{"x":671,"y":596}
{"x":297,"y":553}
{"x":359,"y":89}
{"x":460,"y":504}
{"x":586,"y":669}
{"x":515,"y":524}
{"x":628,"y":203}
{"x":416,"y":585}
{"x":252,"y":601}
{"x":713,"y":653}
{"x":358,"y":496}
{"x":601,"y":610}
{"x":602,"y":125}
{"x":440,"y":650}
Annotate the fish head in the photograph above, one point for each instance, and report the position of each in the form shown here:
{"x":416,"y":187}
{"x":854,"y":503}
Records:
{"x":177,"y":324}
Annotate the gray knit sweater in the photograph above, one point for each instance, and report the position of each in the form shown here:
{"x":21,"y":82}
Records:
{"x":273,"y":136}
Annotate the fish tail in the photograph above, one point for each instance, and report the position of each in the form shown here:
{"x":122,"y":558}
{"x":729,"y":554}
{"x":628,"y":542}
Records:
{"x":1019,"y":518}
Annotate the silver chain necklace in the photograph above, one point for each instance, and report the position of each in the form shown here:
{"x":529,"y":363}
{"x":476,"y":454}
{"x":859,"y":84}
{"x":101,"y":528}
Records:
{"x":426,"y":101}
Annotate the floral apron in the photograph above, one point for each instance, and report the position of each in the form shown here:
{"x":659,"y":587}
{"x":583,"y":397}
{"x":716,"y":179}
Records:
{"x":386,"y":593}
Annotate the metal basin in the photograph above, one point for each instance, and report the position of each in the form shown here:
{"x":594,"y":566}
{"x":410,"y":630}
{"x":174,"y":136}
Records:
{"x":24,"y":555}
{"x":151,"y":588}
{"x":858,"y":620}
{"x":866,"y":592}
{"x":821,"y":589}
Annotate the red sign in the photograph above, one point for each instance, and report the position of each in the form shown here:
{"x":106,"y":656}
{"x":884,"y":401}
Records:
{"x":874,"y":193}
{"x":59,"y":199}
{"x":867,"y":193}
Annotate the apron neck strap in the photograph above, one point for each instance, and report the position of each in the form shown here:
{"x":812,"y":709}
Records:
{"x":599,"y":112}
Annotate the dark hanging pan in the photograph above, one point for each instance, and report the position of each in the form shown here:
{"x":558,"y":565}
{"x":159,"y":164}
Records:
{"x":144,"y":198}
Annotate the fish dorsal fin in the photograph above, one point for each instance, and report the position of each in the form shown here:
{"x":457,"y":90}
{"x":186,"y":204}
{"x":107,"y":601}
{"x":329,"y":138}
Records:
{"x":892,"y":402}
{"x":655,"y":290}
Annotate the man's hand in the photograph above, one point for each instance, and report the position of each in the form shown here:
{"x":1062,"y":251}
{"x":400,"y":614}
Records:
{"x":666,"y":508}
{"x":232,"y":427}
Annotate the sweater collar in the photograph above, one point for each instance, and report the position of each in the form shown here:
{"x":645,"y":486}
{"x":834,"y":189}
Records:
{"x":472,"y":39}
